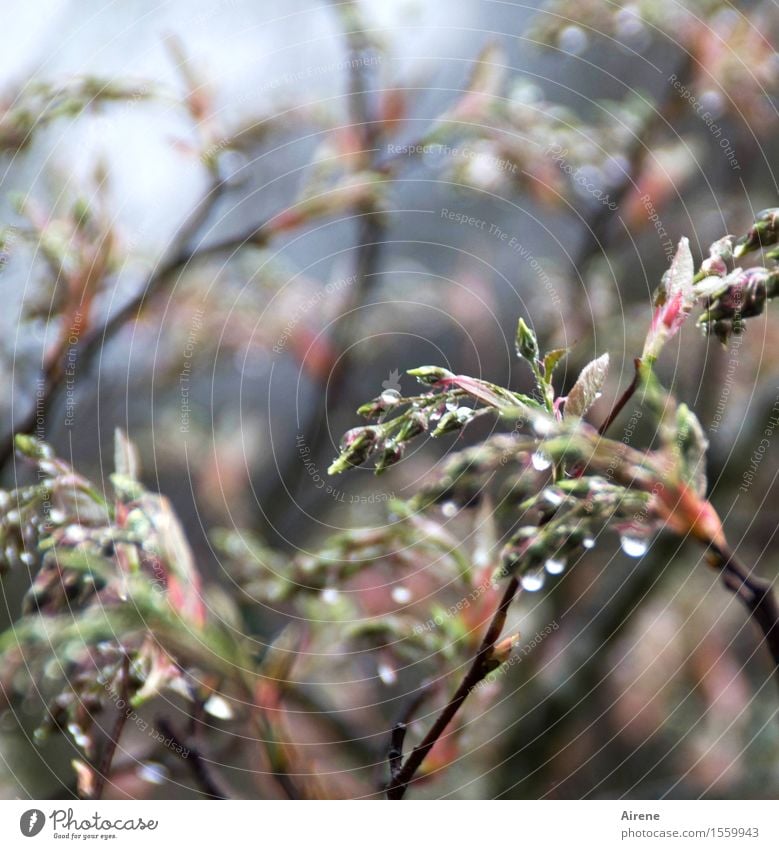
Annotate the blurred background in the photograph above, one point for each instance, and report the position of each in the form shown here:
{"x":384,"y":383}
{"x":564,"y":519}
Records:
{"x":288,"y":206}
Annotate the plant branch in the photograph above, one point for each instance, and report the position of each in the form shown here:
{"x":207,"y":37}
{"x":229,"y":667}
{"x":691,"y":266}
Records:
{"x":623,"y":399}
{"x":480,"y":668}
{"x":368,"y":243}
{"x":756,"y":594}
{"x":53,"y":369}
{"x":113,"y":741}
{"x":195,"y":761}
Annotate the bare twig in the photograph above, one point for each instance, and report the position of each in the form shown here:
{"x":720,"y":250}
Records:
{"x":369,"y":240}
{"x":86,"y":348}
{"x":398,"y":734}
{"x":623,"y":399}
{"x":107,"y":759}
{"x":195,"y":761}
{"x":479,"y":670}
{"x":756,"y":594}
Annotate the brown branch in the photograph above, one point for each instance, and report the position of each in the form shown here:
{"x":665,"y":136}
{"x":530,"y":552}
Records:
{"x":756,"y":594}
{"x":113,"y":740}
{"x":194,"y":760}
{"x":86,"y":348}
{"x":276,"y":514}
{"x":399,"y":729}
{"x":623,"y":399}
{"x":480,"y":668}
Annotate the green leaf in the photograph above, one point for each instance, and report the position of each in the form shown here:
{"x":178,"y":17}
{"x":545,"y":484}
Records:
{"x":126,"y":461}
{"x":674,"y":300}
{"x":552,"y":359}
{"x":526,"y":343}
{"x":587,"y":388}
{"x":691,"y":447}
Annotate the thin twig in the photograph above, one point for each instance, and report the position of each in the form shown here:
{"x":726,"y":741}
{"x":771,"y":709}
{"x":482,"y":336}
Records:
{"x":50,"y":380}
{"x":366,"y":255}
{"x":479,"y":670}
{"x":623,"y":399}
{"x":756,"y":594}
{"x":116,"y":732}
{"x":194,"y":760}
{"x":398,"y":734}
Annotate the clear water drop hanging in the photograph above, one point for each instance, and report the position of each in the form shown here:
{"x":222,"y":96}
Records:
{"x":449,"y":509}
{"x":554,"y":566}
{"x":633,"y":546}
{"x":330,"y":595}
{"x":540,"y":460}
{"x":387,"y":674}
{"x":152,"y":772}
{"x":401,"y":595}
{"x":553,"y":497}
{"x":588,"y":542}
{"x":533,"y":581}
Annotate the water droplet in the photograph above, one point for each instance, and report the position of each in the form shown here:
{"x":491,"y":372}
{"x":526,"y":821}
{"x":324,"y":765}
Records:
{"x":57,"y":517}
{"x":330,"y":595}
{"x":449,"y":509}
{"x":152,"y":772}
{"x":633,"y":546}
{"x":555,"y":567}
{"x":542,"y":425}
{"x":588,"y":542}
{"x":452,"y":405}
{"x":540,"y":461}
{"x":533,"y":581}
{"x":482,"y":557}
{"x":387,"y":674}
{"x":75,"y":534}
{"x":553,"y":497}
{"x":572,"y":40}
{"x":27,"y":558}
{"x":79,"y":738}
{"x":401,"y":595}
{"x":390,"y":397}
{"x":218,"y":707}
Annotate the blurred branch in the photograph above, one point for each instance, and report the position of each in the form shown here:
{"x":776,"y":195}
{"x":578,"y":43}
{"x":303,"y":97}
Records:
{"x":113,"y":741}
{"x":756,"y":594}
{"x":402,"y":773}
{"x":50,"y":381}
{"x":195,"y":761}
{"x":369,"y":239}
{"x":622,"y":400}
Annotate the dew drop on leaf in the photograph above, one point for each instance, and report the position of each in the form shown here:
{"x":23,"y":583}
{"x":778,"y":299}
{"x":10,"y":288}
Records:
{"x":218,"y":707}
{"x":540,"y":461}
{"x":633,"y":546}
{"x":449,"y":509}
{"x":387,"y":674}
{"x":152,"y":772}
{"x":552,"y":497}
{"x":401,"y":595}
{"x":330,"y":595}
{"x":532,"y":582}
{"x":554,"y":566}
